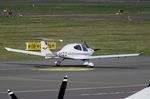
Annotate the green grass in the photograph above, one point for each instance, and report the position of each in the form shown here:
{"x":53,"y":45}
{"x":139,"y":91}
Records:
{"x":109,"y":9}
{"x":112,"y":36}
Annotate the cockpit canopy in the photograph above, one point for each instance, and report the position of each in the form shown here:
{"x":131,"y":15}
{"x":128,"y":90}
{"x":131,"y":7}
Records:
{"x":81,"y":47}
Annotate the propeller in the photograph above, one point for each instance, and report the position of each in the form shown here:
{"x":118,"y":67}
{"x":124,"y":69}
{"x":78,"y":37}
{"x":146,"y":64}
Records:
{"x":86,"y":45}
{"x":96,"y":49}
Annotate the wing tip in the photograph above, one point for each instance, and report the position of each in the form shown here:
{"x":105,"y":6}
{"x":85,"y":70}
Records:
{"x":141,"y":54}
{"x":6,"y":48}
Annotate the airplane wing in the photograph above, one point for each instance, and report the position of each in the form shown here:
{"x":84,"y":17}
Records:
{"x":24,"y":51}
{"x":105,"y":56}
{"x":143,"y":94}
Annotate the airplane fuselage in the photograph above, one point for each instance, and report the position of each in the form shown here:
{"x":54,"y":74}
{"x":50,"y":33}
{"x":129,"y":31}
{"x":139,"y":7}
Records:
{"x":74,"y":50}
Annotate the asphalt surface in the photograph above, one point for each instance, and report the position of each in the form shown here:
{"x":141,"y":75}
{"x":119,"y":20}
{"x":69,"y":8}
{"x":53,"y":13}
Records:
{"x":110,"y":79}
{"x":73,"y":15}
{"x":81,"y":16}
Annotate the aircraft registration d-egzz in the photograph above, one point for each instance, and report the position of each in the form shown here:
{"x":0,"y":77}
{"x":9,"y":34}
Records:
{"x":74,"y":51}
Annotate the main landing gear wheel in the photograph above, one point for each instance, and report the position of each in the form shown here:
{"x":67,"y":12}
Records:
{"x":57,"y":63}
{"x":90,"y":64}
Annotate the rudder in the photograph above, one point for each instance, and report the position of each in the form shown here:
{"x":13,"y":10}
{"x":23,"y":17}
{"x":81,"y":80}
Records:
{"x":45,"y":50}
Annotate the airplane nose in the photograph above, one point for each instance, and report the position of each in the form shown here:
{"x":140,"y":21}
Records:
{"x":91,"y":51}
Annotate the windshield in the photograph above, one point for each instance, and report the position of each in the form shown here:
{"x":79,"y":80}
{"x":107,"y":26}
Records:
{"x":84,"y":48}
{"x":78,"y":47}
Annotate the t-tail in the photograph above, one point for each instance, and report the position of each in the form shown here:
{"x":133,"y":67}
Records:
{"x":45,"y":50}
{"x":12,"y":95}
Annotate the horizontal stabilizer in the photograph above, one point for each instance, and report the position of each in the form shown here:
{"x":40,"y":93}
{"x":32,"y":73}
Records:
{"x":48,"y":39}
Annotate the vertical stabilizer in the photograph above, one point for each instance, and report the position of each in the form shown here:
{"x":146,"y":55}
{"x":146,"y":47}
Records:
{"x":63,"y":88}
{"x":45,"y":50}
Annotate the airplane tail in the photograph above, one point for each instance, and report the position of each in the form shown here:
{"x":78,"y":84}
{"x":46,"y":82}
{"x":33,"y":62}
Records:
{"x":12,"y":95}
{"x":62,"y":88}
{"x":45,"y":50}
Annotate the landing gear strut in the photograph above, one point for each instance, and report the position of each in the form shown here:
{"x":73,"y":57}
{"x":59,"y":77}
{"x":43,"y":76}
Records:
{"x":58,"y":62}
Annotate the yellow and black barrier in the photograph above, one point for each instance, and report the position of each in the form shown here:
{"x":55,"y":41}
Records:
{"x":37,"y":46}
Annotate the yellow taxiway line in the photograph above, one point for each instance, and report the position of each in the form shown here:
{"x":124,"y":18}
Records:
{"x":64,"y":69}
{"x":52,"y":69}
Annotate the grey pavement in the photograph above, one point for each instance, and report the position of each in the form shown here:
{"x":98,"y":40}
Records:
{"x":110,"y":79}
{"x":81,"y":16}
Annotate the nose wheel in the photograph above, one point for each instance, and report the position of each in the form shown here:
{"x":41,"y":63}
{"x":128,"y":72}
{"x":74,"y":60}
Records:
{"x":91,"y":64}
{"x":57,"y":63}
{"x":87,"y":63}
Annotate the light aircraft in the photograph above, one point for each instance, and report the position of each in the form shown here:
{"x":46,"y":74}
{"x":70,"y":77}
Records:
{"x":142,"y":94}
{"x":74,"y":51}
{"x":60,"y":95}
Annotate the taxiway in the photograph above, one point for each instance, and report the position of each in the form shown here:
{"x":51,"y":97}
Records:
{"x":110,"y":79}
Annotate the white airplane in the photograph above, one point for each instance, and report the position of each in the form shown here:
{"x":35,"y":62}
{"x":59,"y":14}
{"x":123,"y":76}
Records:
{"x":60,"y":95}
{"x":74,"y":51}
